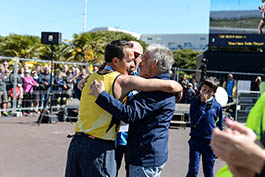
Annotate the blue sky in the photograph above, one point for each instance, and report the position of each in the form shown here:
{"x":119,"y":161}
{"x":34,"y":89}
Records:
{"x":142,"y":16}
{"x":235,"y":4}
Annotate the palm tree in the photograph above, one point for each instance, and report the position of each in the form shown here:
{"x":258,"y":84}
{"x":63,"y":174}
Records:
{"x":22,"y":46}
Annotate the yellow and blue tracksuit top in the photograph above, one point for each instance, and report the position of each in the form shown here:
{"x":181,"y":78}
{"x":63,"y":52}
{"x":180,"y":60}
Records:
{"x":92,"y":119}
{"x":255,"y":121}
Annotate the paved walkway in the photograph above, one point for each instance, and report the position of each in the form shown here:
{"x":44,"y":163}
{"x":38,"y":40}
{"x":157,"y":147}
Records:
{"x":29,"y":150}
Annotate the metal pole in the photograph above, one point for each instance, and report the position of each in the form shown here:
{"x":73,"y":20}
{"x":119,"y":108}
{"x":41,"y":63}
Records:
{"x":174,"y":75}
{"x":52,"y":75}
{"x":85,"y":9}
{"x":178,"y":74}
{"x":15,"y":75}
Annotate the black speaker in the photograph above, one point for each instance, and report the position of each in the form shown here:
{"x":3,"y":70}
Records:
{"x":52,"y":38}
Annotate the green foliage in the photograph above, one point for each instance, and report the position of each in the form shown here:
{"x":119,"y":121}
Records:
{"x":85,"y":47}
{"x":23,"y":46}
{"x":236,"y":23}
{"x":185,"y":58}
{"x":89,"y":47}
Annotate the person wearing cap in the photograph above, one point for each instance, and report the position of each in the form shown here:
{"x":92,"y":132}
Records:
{"x":121,"y":140}
{"x":92,"y":150}
{"x":148,"y":114}
{"x":122,"y":136}
{"x":28,"y":84}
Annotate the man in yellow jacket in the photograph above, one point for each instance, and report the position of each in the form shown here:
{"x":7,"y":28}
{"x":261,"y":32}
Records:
{"x":91,"y":151}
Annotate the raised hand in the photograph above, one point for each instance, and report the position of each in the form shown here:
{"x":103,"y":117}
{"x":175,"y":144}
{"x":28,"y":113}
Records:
{"x":96,"y":88}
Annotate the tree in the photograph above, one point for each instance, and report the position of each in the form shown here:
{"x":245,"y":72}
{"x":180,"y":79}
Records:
{"x":89,"y":47}
{"x":86,"y":47}
{"x":185,"y":58}
{"x":22,"y":46}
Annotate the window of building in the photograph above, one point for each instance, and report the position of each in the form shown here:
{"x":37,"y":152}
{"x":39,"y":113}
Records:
{"x":149,"y":38}
{"x":187,"y":45}
{"x":202,"y":38}
{"x":172,"y":46}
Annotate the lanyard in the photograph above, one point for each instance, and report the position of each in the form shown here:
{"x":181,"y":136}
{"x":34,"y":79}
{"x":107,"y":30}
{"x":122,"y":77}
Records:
{"x":108,"y":68}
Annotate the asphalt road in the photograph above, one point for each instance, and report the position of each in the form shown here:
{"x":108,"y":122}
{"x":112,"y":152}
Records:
{"x":29,"y":150}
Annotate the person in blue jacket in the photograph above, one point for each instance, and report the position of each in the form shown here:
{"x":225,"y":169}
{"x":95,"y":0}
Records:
{"x":205,"y":115}
{"x":148,"y":115}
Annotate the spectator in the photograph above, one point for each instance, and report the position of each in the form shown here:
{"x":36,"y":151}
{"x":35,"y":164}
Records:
{"x":65,"y":70}
{"x":82,"y":75}
{"x":68,"y":92}
{"x":230,"y":85}
{"x":6,"y":76}
{"x":36,"y":91}
{"x":39,"y":70}
{"x":205,"y":115}
{"x":185,"y":85}
{"x":28,"y":83}
{"x":45,"y":81}
{"x":6,"y":66}
{"x":257,"y":83}
{"x":59,"y":86}
{"x":21,"y":71}
{"x":195,"y":85}
{"x":190,"y":93}
{"x":19,"y":89}
{"x":3,"y":95}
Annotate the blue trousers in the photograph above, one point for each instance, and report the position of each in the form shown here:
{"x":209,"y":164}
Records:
{"x":90,"y":158}
{"x":200,"y":147}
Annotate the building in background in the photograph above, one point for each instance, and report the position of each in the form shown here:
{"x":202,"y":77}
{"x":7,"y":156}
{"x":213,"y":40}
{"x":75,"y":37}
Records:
{"x":178,"y":41}
{"x":136,"y":35}
{"x":172,"y":41}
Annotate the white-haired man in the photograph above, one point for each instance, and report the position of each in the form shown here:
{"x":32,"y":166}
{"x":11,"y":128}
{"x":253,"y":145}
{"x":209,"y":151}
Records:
{"x":91,"y":151}
{"x":148,"y":115}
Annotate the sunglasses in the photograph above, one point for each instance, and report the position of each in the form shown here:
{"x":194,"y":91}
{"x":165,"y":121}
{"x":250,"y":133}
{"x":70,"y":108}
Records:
{"x":137,"y":55}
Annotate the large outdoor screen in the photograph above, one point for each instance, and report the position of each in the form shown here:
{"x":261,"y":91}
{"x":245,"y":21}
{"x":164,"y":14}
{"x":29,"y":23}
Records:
{"x":237,"y":23}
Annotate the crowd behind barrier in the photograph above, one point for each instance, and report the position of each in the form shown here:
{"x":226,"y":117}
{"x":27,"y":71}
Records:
{"x":25,"y":83}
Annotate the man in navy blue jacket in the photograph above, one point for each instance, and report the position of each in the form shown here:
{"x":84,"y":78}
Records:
{"x":148,"y":115}
{"x":205,"y":115}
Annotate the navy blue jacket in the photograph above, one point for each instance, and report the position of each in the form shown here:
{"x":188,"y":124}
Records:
{"x":204,"y":118}
{"x":148,"y":115}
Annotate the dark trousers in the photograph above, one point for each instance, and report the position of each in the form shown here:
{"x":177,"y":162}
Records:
{"x":121,"y":151}
{"x":27,"y":101}
{"x":200,"y":147}
{"x":90,"y":158}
